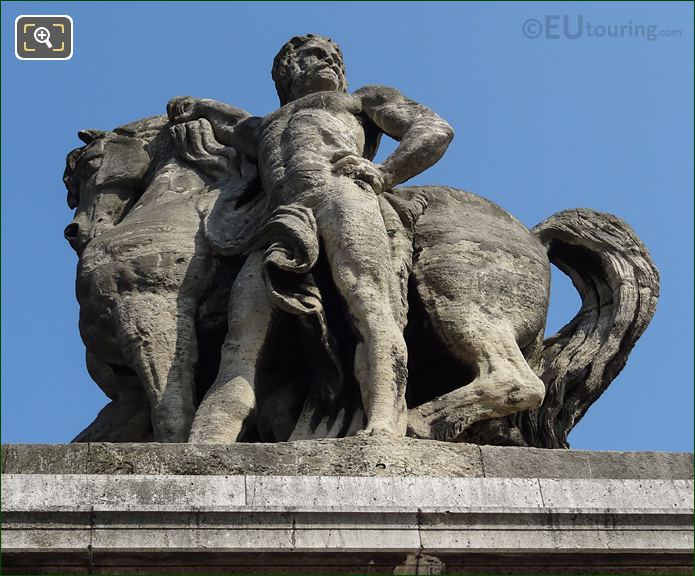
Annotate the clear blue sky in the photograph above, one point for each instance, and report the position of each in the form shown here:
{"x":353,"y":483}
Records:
{"x":541,"y":125}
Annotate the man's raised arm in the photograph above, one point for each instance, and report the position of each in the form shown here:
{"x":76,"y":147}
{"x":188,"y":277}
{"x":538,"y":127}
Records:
{"x":423,"y":136}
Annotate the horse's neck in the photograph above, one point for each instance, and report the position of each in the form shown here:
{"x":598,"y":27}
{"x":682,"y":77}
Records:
{"x":170,"y":188}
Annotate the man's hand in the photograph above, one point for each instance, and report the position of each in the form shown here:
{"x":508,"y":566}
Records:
{"x":362,"y":171}
{"x":423,"y":135}
{"x":225,"y":120}
{"x":196,"y":144}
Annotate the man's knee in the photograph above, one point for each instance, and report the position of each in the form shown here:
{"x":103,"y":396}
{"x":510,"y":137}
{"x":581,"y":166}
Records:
{"x":367,"y":297}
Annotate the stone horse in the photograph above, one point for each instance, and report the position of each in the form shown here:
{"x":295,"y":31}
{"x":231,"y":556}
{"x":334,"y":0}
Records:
{"x":476,"y":284}
{"x":144,"y":273}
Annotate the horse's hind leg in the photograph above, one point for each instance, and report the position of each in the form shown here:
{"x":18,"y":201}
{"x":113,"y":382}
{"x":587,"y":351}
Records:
{"x":158,"y":339}
{"x":504,"y":382}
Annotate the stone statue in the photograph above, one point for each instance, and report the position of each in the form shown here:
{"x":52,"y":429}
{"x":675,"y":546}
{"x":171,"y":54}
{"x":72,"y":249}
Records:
{"x":261,"y":279}
{"x":314,"y":156}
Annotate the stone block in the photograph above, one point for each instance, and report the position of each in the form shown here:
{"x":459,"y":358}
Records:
{"x":343,"y":457}
{"x":373,"y":538}
{"x":506,"y":462}
{"x":330,"y":457}
{"x":617,"y":494}
{"x":47,"y":532}
{"x":656,"y":465}
{"x":45,"y":458}
{"x":329,"y":491}
{"x":87,"y":492}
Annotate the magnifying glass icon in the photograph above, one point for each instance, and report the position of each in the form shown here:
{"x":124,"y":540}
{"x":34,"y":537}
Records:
{"x":43,"y":36}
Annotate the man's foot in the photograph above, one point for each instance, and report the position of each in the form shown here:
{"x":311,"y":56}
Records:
{"x":377,"y":431}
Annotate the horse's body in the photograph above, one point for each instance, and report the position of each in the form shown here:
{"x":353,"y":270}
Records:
{"x":483,"y":282}
{"x":140,"y":281}
{"x":480,"y":294}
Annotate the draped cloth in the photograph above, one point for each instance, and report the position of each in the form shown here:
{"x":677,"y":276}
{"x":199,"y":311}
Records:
{"x":291,"y":237}
{"x":240,"y":223}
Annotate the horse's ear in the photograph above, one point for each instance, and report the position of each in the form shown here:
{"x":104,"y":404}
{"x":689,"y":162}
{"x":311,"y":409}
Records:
{"x":88,"y":136}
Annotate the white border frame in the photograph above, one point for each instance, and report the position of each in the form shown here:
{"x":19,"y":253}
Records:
{"x":72,"y":34}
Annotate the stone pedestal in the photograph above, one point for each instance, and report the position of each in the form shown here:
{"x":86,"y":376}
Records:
{"x":349,"y":505}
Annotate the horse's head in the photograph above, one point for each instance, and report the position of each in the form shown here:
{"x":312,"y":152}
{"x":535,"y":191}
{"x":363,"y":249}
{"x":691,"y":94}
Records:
{"x":104,"y":179}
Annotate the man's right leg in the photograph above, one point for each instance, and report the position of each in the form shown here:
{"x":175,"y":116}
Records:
{"x":230,"y":405}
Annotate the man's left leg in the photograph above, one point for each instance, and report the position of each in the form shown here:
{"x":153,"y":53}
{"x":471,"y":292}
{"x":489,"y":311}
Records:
{"x":358,"y":250}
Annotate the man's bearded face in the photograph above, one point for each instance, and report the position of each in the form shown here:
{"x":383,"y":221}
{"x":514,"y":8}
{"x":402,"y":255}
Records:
{"x":316,"y":67}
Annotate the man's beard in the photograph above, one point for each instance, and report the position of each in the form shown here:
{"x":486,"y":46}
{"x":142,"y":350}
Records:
{"x":326,"y":79}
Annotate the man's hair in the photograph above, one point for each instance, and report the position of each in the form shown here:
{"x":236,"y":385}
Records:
{"x":283,"y":82}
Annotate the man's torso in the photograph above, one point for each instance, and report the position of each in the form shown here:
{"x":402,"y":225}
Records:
{"x":308,"y":135}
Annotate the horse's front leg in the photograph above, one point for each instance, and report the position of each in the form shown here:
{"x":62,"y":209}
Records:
{"x":127,"y":417}
{"x":159,"y":341}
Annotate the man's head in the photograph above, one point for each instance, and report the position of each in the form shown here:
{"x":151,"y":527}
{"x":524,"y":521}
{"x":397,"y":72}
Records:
{"x":308,"y":64}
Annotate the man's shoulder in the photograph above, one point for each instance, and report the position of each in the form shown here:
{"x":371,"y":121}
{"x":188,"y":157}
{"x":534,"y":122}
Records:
{"x":377,"y":94}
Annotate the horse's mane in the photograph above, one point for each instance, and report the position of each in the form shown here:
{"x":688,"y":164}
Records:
{"x":146,"y":129}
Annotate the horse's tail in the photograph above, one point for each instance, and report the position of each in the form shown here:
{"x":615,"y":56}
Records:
{"x":619,"y":286}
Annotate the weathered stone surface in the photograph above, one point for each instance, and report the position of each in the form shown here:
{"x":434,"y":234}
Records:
{"x":529,"y":462}
{"x":399,"y":457}
{"x":103,"y":492}
{"x":63,"y":532}
{"x":154,"y":523}
{"x":609,"y":493}
{"x":45,"y":458}
{"x":573,"y":529}
{"x":252,"y":279}
{"x":657,"y":465}
{"x":539,"y":463}
{"x":372,"y":493}
{"x":348,"y":456}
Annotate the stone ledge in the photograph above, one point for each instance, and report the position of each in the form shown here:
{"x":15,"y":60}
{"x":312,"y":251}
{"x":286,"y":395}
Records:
{"x":151,"y":523}
{"x":343,"y":457}
{"x":430,"y":531}
{"x":350,"y":505}
{"x":169,"y":493}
